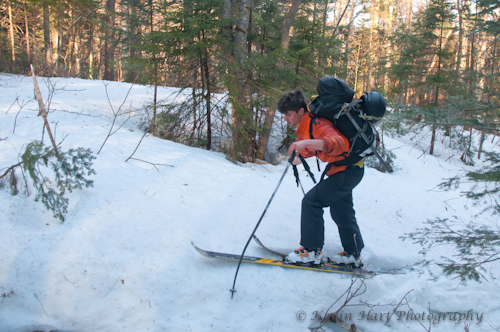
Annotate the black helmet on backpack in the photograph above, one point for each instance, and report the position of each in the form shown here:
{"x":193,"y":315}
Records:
{"x":373,"y":105}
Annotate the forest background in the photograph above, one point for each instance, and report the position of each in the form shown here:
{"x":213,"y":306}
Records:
{"x":436,"y":61}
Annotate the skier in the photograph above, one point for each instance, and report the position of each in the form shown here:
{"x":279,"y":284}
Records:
{"x":329,"y":145}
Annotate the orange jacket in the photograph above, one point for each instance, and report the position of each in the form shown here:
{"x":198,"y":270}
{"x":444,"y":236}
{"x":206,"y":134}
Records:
{"x":334,"y":143}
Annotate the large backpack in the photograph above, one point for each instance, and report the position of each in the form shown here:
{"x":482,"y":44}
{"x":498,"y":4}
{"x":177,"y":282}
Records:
{"x":354,"y":119}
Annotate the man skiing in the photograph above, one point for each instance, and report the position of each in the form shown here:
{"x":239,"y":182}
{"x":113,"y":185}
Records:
{"x":329,"y":145}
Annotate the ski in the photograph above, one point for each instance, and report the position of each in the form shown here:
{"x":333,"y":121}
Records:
{"x":276,"y":262}
{"x":329,"y":264}
{"x":259,"y":242}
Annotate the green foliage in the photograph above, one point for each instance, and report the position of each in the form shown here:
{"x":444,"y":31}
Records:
{"x":183,"y":118}
{"x":485,"y":190}
{"x":69,"y":171}
{"x":487,"y":18}
{"x":473,"y":246}
{"x":453,"y":120}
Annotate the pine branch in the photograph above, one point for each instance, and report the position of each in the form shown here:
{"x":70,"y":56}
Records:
{"x":70,"y":170}
{"x":474,"y":247}
{"x":10,"y":169}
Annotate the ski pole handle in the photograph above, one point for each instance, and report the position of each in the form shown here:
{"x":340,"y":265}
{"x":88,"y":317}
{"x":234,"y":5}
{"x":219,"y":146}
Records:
{"x":292,"y":158}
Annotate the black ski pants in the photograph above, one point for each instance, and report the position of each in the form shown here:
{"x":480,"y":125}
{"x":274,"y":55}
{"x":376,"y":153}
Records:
{"x":334,"y":192}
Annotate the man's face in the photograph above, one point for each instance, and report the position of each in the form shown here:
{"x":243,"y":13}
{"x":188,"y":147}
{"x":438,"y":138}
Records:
{"x":293,"y":118}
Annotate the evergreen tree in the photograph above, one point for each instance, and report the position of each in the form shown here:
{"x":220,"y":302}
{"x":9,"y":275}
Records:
{"x":437,"y":19}
{"x":191,"y":45}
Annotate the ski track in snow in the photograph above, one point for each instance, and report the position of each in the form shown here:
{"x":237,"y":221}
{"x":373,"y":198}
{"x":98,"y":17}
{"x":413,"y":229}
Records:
{"x":123,"y":260}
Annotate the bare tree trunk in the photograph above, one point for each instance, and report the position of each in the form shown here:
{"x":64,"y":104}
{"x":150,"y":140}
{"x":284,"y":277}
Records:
{"x":323,"y":29}
{"x":28,"y":50}
{"x":11,"y":32}
{"x":356,"y":68}
{"x":409,"y":14}
{"x":493,"y":68}
{"x":444,"y":42}
{"x":374,"y":18}
{"x":481,"y":142}
{"x":472,"y":60}
{"x":273,"y":104}
{"x":155,"y":68}
{"x":242,"y":31}
{"x":388,"y":47}
{"x":433,"y":140}
{"x":242,"y":144}
{"x":77,"y":58}
{"x":109,"y":47}
{"x":91,"y":51}
{"x":439,"y":61}
{"x":227,"y":31}
{"x":208,"y":103}
{"x":266,"y":128}
{"x":46,"y":37}
{"x":195,"y":102}
{"x":491,"y":87}
{"x":287,"y":24}
{"x":464,"y":158}
{"x":460,"y":37}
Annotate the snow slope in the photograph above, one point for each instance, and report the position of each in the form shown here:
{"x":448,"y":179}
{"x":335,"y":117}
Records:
{"x":123,"y":260}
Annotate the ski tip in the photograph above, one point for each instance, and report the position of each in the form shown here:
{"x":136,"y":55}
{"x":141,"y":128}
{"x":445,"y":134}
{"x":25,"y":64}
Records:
{"x":256,"y":239}
{"x":203,"y":252}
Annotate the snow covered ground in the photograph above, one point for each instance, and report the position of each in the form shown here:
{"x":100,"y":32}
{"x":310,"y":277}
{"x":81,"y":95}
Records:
{"x":123,"y":259}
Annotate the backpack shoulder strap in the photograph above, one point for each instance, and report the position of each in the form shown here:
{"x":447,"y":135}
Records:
{"x":314,"y":118}
{"x":307,"y":168}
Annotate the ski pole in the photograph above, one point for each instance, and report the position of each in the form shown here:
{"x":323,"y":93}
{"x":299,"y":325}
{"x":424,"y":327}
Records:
{"x":258,"y":223}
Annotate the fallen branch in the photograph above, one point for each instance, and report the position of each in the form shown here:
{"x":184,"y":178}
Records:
{"x":137,"y":146}
{"x":350,"y":294}
{"x":42,"y":111}
{"x":4,"y":295}
{"x":41,"y":304}
{"x":111,"y":288}
{"x":10,"y":169}
{"x":147,"y":162}
{"x":397,"y":306}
